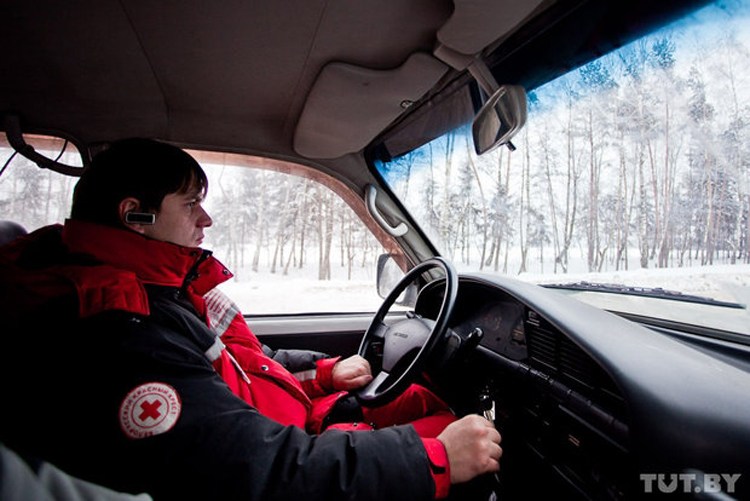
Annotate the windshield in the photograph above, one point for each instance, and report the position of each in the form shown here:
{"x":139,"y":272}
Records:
{"x":632,"y":169}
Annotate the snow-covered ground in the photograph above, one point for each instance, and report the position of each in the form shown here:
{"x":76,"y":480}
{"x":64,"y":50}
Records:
{"x":273,"y":293}
{"x":266,"y":293}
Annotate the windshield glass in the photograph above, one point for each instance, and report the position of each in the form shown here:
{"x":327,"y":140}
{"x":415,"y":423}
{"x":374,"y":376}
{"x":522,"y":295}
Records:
{"x":632,"y":169}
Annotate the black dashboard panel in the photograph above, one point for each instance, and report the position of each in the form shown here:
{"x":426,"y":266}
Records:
{"x":595,"y":401}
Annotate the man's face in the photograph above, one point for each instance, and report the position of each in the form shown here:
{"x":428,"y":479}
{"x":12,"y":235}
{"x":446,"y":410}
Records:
{"x":180,"y":220}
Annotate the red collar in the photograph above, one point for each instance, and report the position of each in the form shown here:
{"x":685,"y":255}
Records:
{"x":132,"y":260}
{"x":153,"y":261}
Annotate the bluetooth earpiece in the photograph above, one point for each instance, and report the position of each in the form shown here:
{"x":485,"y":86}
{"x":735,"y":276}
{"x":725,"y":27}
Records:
{"x":132,"y":217}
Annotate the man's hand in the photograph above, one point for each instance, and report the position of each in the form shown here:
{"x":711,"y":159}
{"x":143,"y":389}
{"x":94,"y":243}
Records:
{"x":350,"y":373}
{"x":473,"y":447}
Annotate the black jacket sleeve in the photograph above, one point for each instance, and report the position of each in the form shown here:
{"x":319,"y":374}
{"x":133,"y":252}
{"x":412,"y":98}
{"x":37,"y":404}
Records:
{"x":295,"y":360}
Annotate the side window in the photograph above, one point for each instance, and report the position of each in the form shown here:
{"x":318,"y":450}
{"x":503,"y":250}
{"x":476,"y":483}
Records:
{"x":29,"y":195}
{"x":293,"y":243}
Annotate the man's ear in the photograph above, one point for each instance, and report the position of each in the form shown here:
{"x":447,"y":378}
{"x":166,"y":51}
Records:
{"x":131,"y":218}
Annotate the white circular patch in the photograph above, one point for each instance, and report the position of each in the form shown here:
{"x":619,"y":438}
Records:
{"x":149,"y":409}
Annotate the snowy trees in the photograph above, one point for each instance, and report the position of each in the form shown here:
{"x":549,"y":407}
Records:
{"x":641,"y":158}
{"x":289,"y":222}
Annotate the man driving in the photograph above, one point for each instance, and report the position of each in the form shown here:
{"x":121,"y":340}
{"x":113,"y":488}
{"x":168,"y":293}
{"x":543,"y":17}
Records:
{"x":140,"y":375}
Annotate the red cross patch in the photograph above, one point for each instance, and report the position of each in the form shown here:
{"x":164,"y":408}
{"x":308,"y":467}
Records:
{"x":149,"y":409}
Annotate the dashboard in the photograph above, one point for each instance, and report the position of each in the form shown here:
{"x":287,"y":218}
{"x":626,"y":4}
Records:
{"x":594,"y":406}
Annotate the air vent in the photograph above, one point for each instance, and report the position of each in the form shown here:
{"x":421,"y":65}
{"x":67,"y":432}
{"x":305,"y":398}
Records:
{"x":575,"y":364}
{"x":543,"y":346}
{"x":556,"y":355}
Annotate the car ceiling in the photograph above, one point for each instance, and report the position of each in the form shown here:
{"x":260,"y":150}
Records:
{"x":302,"y":80}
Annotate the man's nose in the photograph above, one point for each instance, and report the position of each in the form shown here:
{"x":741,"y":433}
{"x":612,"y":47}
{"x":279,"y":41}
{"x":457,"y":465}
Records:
{"x":205,"y":220}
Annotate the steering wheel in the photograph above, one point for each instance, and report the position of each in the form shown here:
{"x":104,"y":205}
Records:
{"x":399,"y":351}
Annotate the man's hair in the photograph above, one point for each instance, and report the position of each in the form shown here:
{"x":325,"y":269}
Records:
{"x":144,"y":169}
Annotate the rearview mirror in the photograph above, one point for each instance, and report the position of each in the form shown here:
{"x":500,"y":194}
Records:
{"x":499,"y":119}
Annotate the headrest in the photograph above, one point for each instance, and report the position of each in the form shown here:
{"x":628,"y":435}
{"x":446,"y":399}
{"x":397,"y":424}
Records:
{"x":9,"y":231}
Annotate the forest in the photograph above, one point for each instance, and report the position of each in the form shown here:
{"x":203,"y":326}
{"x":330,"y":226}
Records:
{"x":637,"y":159}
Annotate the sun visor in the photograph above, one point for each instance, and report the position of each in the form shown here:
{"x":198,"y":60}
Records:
{"x":349,"y":105}
{"x":476,"y":24}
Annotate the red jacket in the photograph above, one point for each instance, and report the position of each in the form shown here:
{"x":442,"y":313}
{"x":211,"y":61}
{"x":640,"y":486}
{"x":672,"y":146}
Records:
{"x":237,"y":355}
{"x":251,"y":374}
